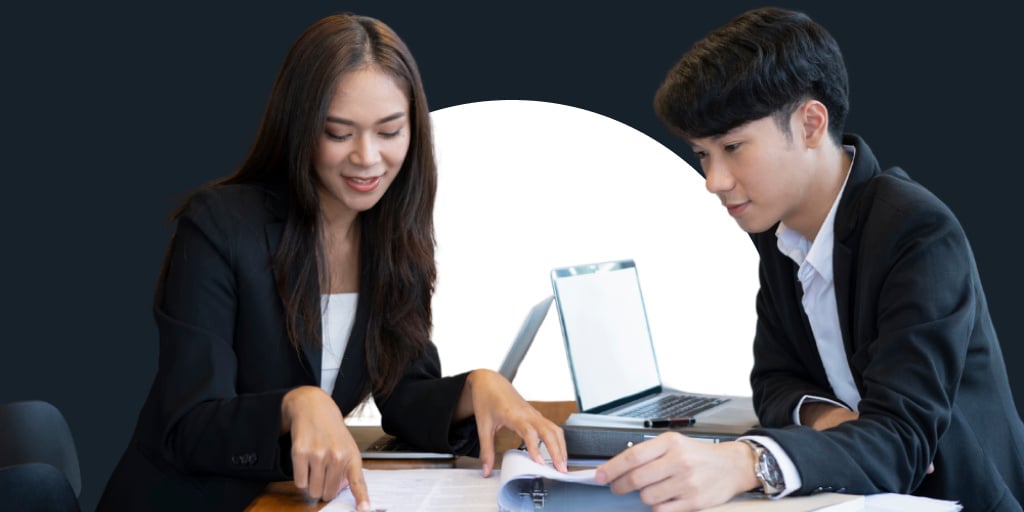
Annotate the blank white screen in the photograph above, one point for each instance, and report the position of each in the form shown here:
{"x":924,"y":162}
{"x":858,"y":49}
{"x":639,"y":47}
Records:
{"x":607,"y":337}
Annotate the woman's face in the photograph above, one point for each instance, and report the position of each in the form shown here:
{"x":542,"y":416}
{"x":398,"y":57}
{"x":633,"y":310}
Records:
{"x":363,"y":143}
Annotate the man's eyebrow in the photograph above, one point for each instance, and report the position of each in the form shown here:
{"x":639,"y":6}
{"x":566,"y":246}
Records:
{"x":349,"y":122}
{"x":720,"y":136}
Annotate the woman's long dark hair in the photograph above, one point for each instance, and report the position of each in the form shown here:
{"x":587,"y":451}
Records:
{"x":397,"y":267}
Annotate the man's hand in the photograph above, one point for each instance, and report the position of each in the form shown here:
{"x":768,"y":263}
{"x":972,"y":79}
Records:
{"x":675,"y":473}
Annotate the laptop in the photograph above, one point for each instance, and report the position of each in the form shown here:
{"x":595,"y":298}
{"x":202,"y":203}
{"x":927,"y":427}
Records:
{"x":614,"y":368}
{"x":523,"y":340}
{"x":375,"y":444}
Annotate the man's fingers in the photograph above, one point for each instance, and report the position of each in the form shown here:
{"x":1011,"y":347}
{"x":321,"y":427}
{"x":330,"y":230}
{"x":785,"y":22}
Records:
{"x":632,"y":457}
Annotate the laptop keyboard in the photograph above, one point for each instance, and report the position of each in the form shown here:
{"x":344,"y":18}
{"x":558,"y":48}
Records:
{"x":674,"y":406}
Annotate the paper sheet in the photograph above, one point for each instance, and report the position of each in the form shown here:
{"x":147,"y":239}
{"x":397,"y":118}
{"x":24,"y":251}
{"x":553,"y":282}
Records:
{"x":465,"y":490}
{"x":905,"y":503}
{"x":822,"y":502}
{"x":424,"y":490}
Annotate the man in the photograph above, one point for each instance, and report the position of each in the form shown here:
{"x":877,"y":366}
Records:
{"x":876,"y":364}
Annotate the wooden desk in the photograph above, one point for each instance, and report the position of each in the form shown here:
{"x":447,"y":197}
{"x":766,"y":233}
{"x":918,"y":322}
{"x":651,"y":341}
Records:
{"x":284,"y":496}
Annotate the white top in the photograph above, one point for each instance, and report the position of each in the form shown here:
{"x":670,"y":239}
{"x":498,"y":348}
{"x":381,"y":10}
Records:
{"x":338,"y":313}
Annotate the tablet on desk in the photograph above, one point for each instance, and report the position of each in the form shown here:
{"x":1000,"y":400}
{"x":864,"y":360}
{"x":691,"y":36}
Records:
{"x":375,"y":444}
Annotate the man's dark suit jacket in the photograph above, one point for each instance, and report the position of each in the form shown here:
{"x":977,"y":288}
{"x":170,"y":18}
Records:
{"x":920,"y":344}
{"x":208,"y":436}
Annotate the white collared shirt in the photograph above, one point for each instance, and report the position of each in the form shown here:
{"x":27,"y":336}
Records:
{"x":338,"y":313}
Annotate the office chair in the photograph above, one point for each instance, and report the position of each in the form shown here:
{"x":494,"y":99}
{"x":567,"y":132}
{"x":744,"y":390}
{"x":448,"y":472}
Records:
{"x":38,"y":459}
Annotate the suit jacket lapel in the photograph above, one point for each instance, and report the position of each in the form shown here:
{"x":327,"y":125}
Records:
{"x":348,"y":391}
{"x":864,"y":168}
{"x":842,"y":280}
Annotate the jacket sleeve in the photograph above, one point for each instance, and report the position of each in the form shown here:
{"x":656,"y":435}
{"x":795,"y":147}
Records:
{"x":916,"y":301}
{"x":204,"y":425}
{"x":421,"y":409}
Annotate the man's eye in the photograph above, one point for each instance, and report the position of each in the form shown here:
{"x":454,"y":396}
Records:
{"x":729,"y":148}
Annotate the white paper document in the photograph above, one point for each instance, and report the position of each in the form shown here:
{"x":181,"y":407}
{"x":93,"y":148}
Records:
{"x":907,"y":503}
{"x":424,"y":490}
{"x":822,"y":502}
{"x":511,"y":489}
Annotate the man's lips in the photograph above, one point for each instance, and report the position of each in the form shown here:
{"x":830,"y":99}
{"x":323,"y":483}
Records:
{"x":736,"y":209}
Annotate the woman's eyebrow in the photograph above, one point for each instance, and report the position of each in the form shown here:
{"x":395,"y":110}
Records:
{"x":349,"y":122}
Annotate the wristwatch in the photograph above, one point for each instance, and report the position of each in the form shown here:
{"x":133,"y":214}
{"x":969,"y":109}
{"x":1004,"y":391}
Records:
{"x":766,"y":469}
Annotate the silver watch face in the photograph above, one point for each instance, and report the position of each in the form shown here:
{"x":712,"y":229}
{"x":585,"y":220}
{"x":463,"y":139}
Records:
{"x":769,"y":473}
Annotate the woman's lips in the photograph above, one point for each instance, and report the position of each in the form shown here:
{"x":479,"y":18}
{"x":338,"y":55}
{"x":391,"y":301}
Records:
{"x":363,"y":184}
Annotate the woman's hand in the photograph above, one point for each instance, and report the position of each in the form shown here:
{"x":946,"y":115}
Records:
{"x":497,"y":404}
{"x":677,"y":473}
{"x":325,"y":458}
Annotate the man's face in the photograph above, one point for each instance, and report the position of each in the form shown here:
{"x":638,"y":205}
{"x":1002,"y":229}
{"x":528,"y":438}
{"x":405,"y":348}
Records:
{"x":760,"y":173}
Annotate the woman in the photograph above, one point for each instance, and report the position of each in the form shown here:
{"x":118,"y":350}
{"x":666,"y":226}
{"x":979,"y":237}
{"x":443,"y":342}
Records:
{"x":301,"y":284}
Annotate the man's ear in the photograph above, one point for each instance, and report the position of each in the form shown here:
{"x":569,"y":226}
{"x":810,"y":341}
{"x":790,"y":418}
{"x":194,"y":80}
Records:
{"x":812,"y":118}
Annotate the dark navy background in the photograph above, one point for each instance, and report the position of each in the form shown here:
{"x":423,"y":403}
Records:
{"x":111,"y":113}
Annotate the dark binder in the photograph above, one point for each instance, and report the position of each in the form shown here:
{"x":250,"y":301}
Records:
{"x":589,"y":442}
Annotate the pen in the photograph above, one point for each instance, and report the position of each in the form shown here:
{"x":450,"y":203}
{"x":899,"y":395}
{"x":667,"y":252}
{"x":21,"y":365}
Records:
{"x":685,"y":421}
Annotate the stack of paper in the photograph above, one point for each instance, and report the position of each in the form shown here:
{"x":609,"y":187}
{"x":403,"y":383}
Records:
{"x":523,"y":481}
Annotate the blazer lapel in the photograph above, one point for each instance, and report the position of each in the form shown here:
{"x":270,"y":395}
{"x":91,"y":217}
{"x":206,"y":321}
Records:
{"x":812,"y":360}
{"x":843,"y":285}
{"x":349,"y":388}
{"x":864,"y":168}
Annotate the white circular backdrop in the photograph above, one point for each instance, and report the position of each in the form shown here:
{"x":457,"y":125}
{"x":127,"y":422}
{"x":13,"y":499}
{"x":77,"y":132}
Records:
{"x":528,"y":186}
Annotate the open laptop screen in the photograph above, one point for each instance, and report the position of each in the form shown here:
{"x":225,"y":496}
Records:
{"x":607,"y":339}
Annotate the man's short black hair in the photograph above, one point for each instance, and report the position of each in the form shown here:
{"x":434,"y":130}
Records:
{"x":764,"y":62}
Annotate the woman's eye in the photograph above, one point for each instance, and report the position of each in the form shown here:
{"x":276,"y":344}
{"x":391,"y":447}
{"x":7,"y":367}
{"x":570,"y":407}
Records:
{"x":388,"y":135}
{"x":340,"y":137}
{"x":729,"y":148}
